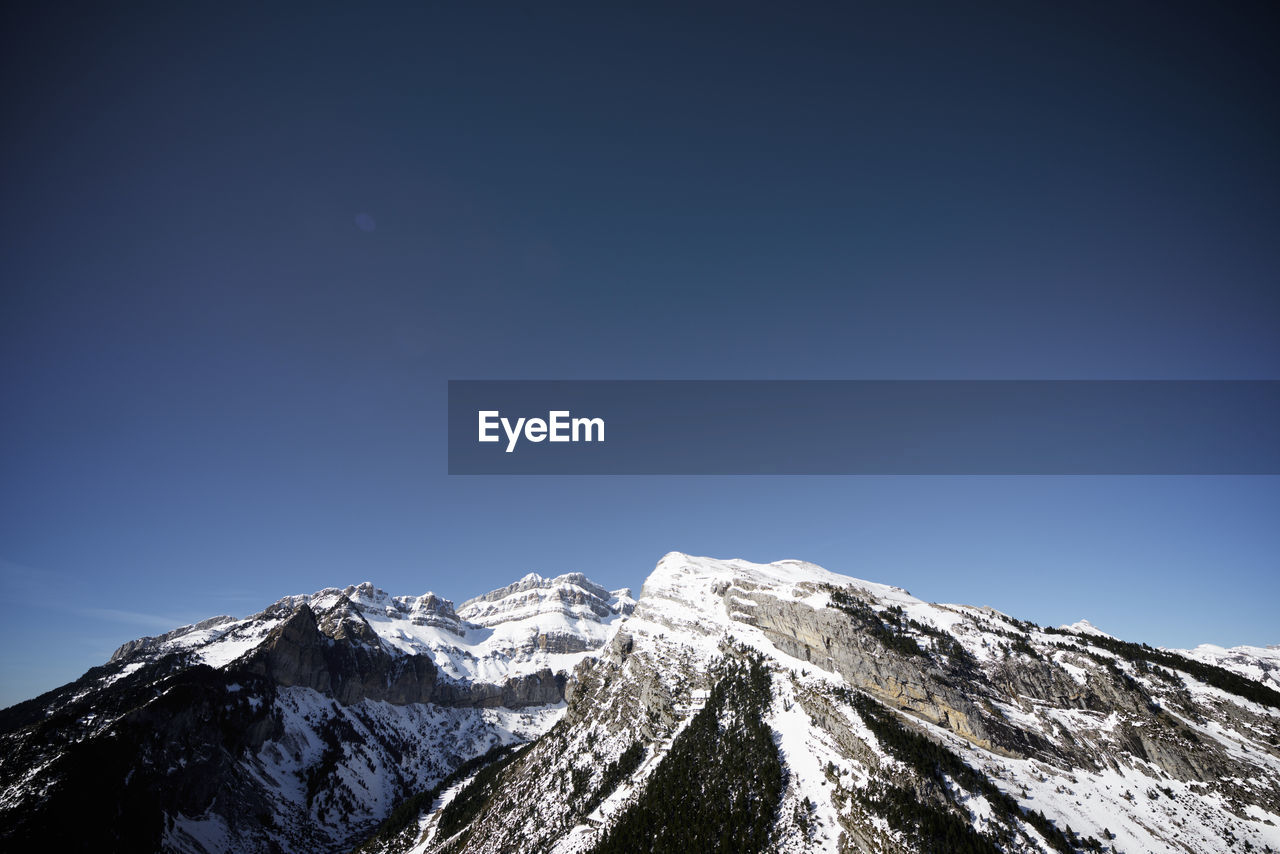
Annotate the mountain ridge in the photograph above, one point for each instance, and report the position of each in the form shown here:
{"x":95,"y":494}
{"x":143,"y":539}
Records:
{"x":304,"y":726}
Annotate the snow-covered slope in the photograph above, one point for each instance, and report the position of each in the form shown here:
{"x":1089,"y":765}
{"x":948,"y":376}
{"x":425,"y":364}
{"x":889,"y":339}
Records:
{"x":896,"y":725}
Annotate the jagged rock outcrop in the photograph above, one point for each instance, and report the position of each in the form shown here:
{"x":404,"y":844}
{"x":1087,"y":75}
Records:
{"x":431,"y":610}
{"x":340,"y":656}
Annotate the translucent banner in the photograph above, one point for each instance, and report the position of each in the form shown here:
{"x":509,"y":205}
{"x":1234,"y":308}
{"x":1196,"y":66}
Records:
{"x":789,"y":427}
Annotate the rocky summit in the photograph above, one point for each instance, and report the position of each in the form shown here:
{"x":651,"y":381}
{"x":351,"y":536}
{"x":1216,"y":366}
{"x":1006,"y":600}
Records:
{"x":732,"y":706}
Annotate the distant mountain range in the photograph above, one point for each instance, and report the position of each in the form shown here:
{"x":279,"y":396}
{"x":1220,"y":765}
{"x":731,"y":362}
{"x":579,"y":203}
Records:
{"x":732,"y":706}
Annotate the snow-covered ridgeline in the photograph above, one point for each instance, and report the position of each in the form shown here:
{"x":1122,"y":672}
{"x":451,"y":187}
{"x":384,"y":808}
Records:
{"x":534,"y":624}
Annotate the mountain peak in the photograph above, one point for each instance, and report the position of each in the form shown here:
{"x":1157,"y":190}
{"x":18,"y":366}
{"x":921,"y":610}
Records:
{"x":678,"y":570}
{"x":1087,"y":628}
{"x":569,"y":581}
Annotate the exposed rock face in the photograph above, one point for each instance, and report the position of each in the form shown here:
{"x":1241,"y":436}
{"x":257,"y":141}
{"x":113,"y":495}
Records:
{"x":431,"y":610}
{"x":827,"y":638}
{"x":560,"y":643}
{"x":343,"y":660}
{"x":531,"y":689}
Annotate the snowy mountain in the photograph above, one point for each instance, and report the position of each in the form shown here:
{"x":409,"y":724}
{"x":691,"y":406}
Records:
{"x":298,"y":728}
{"x":731,"y":707}
{"x":1255,"y":662}
{"x":781,"y":707}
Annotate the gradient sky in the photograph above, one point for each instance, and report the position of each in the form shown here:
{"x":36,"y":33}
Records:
{"x":242,"y":250}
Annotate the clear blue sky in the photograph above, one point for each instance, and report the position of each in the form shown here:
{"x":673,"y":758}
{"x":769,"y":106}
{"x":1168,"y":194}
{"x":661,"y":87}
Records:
{"x":242,"y":251}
